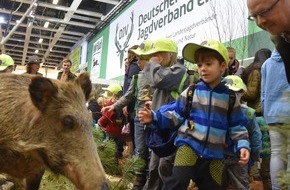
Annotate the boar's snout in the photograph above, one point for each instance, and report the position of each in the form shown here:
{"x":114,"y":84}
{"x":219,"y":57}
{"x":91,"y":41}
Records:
{"x":87,"y":178}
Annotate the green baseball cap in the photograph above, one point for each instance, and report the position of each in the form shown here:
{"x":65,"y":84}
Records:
{"x":235,"y":83}
{"x":143,"y":48}
{"x":163,"y":45}
{"x":190,"y":49}
{"x":113,"y":88}
{"x":5,"y":61}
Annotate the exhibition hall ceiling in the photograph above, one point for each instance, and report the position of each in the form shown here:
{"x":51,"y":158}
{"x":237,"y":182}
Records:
{"x":51,"y":28}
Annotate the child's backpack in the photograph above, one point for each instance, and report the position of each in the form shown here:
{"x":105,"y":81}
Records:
{"x":161,"y":141}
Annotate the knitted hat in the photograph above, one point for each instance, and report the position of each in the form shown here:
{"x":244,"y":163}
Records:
{"x":34,"y":59}
{"x":5,"y":61}
{"x":190,"y":49}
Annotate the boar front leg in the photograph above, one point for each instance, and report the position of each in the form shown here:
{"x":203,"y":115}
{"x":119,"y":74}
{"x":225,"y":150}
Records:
{"x":33,"y":182}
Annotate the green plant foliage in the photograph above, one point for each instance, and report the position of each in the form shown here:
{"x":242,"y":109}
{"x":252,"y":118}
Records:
{"x":107,"y":152}
{"x":52,"y":181}
{"x":129,"y":168}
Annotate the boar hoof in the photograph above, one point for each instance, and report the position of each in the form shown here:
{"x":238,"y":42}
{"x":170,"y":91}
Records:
{"x":105,"y":186}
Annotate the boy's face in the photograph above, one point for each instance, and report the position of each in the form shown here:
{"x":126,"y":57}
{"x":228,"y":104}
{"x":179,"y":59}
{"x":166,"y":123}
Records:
{"x":166,"y":59}
{"x":9,"y":69}
{"x":141,"y":62}
{"x":232,"y":57}
{"x":210,"y":71}
{"x":163,"y":58}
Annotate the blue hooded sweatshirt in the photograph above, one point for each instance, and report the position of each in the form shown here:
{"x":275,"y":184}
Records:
{"x":275,"y":90}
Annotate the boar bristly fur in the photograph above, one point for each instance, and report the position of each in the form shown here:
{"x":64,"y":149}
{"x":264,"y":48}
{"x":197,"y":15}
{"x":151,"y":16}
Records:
{"x":44,"y":123}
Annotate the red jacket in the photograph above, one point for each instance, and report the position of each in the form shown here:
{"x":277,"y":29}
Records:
{"x":108,"y":122}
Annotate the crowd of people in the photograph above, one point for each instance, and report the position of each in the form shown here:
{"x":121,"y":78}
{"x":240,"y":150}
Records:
{"x":229,"y":128}
{"x":219,"y":145}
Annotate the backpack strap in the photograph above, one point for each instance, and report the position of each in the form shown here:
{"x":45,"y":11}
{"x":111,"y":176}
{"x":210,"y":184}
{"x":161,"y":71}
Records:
{"x":135,"y":79}
{"x":189,"y":99}
{"x":232,"y":100}
{"x":176,"y":93}
{"x":187,"y":108}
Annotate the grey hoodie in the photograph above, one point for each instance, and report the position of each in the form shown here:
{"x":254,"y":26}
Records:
{"x":164,"y":80}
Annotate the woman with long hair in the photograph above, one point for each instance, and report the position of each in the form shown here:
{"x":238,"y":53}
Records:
{"x":252,"y":78}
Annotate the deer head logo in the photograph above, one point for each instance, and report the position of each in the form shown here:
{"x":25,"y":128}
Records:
{"x":121,"y":49}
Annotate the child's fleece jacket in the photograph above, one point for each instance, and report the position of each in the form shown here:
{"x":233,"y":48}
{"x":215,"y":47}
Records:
{"x":254,"y":132}
{"x":108,"y":122}
{"x":209,"y":112}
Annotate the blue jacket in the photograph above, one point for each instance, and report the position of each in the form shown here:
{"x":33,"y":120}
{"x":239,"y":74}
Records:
{"x":209,"y":113}
{"x":275,"y":90}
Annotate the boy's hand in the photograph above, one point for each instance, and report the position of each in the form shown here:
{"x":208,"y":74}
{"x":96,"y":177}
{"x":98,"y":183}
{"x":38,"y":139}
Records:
{"x":148,"y":104}
{"x":107,"y":108}
{"x":145,"y":116}
{"x":155,"y":59}
{"x":125,"y":111}
{"x":244,"y":156}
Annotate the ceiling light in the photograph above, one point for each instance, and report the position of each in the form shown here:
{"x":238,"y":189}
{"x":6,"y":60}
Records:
{"x":36,"y":51}
{"x":32,"y":14}
{"x":55,"y":2}
{"x":46,"y":24}
{"x":2,"y":20}
{"x":17,"y":21}
{"x":40,"y":40}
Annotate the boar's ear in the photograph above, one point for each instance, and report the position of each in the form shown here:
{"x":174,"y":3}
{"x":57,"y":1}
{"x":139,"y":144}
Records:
{"x":41,"y":92}
{"x":84,"y":81}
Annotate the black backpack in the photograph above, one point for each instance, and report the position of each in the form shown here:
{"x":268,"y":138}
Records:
{"x":161,"y":141}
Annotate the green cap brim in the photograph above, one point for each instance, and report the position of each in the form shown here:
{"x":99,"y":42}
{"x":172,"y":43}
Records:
{"x":2,"y":68}
{"x":189,"y":51}
{"x":236,"y":89}
{"x":136,"y":51}
{"x":140,"y":53}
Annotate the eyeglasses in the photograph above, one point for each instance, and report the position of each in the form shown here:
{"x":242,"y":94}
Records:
{"x":263,"y":13}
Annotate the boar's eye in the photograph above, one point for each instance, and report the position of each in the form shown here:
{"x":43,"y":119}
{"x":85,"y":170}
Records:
{"x":68,"y":122}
